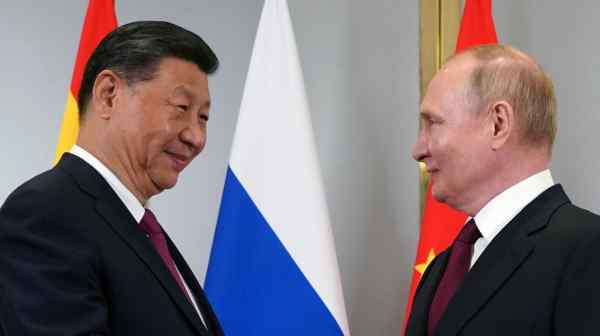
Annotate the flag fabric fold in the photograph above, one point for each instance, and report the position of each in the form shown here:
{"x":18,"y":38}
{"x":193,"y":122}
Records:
{"x":100,"y":19}
{"x":273,"y":268}
{"x":440,"y":223}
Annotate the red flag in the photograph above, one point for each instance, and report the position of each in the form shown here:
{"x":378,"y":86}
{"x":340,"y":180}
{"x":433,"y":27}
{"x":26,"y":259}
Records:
{"x":100,"y":19}
{"x":477,"y":25}
{"x":441,"y":223}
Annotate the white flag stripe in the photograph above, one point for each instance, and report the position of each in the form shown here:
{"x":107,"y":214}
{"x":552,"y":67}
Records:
{"x":283,"y":177}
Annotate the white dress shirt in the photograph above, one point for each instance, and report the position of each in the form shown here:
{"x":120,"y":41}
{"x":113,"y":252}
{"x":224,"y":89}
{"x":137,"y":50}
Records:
{"x":498,"y":212}
{"x":135,"y":207}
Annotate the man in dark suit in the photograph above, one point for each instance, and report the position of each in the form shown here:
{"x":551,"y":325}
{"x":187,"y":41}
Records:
{"x":526,"y":261}
{"x":79,"y":252}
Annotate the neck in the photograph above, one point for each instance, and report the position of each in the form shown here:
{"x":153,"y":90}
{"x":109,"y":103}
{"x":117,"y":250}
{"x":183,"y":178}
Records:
{"x":102,"y":152}
{"x":506,"y":173}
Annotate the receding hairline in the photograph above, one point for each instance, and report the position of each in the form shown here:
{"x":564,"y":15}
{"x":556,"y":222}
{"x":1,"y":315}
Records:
{"x":500,"y":72}
{"x":488,"y":54}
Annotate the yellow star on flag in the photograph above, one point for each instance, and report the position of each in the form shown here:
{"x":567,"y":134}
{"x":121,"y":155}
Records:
{"x":422,"y":267}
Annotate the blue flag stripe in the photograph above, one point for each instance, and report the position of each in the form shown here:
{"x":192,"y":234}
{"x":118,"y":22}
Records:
{"x":253,"y":283}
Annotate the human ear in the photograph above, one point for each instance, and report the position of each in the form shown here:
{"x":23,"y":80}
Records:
{"x":105,"y":92}
{"x":502,"y":118}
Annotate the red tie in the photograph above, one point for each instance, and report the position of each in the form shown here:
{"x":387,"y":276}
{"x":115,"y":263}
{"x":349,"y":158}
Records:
{"x":150,"y":225}
{"x":456,"y":270}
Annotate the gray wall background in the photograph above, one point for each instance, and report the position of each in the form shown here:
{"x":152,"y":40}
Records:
{"x":360,"y":62}
{"x":562,"y":36}
{"x":360,"y":66}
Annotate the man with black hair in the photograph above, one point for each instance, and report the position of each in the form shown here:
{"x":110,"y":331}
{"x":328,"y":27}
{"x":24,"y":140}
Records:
{"x":80,"y":254}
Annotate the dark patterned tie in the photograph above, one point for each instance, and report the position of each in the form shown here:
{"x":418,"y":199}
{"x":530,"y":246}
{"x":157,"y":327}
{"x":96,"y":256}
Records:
{"x":150,"y":225}
{"x":456,"y":270}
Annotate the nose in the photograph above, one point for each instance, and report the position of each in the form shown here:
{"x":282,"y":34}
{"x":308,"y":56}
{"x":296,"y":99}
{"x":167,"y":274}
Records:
{"x":419,"y":150}
{"x":194,"y":135}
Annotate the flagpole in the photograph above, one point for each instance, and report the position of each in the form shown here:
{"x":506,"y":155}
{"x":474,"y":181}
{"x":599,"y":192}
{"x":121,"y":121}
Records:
{"x":440,"y":21}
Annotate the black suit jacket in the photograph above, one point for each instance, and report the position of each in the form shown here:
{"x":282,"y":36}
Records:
{"x":539,"y":276}
{"x":73,"y":261}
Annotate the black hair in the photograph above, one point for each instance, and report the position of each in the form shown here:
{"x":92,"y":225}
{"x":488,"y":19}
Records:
{"x":134,"y":51}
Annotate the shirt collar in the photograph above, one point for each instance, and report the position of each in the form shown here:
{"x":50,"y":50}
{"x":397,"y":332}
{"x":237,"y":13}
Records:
{"x":125,"y":195}
{"x":498,"y":212}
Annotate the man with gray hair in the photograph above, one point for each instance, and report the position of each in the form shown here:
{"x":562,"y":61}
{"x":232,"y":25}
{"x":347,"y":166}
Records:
{"x":525,"y":262}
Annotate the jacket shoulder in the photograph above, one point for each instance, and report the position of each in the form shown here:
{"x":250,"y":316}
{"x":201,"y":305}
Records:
{"x":573,"y":220}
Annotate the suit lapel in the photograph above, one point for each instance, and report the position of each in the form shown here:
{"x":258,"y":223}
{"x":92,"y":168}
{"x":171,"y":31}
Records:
{"x":479,"y":286}
{"x":116,"y":215}
{"x":419,"y":316}
{"x":500,"y":260}
{"x":138,"y":242}
{"x":204,"y":306}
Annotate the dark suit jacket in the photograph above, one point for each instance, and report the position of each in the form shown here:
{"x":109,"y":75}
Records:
{"x":73,"y":261}
{"x":539,"y":276}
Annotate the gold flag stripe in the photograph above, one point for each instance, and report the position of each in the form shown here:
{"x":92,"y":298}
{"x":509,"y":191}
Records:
{"x":69,"y":128}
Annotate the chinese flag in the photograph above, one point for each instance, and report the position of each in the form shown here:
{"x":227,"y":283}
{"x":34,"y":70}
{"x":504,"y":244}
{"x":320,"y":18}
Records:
{"x":441,"y":223}
{"x":100,"y":19}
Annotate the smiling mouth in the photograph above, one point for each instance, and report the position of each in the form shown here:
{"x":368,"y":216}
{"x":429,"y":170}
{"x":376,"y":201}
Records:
{"x":179,"y":161}
{"x":432,"y":173}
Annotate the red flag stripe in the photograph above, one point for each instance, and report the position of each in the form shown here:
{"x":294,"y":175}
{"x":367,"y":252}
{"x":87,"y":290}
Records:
{"x":100,"y":19}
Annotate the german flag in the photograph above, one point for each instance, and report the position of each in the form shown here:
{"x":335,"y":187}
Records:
{"x":100,"y":19}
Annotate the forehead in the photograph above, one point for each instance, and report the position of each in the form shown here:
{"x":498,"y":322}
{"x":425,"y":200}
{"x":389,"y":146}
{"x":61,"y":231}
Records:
{"x":182,"y":78}
{"x":448,"y":88}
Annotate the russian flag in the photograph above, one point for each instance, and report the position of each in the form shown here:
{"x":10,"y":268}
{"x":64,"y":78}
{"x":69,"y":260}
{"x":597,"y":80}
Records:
{"x":273,"y":268}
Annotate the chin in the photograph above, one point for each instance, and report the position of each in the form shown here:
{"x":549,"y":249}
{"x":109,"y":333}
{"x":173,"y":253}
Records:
{"x":439,"y":198}
{"x":447,"y":199}
{"x":166,"y":182}
{"x":437,"y":194}
{"x":170,"y":184}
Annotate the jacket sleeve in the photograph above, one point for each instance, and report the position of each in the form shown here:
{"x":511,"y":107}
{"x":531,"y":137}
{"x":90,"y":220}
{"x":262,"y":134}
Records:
{"x":50,"y":281}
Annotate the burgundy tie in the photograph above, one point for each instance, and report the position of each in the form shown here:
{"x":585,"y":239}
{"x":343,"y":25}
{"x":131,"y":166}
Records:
{"x":456,"y":270}
{"x":150,"y":225}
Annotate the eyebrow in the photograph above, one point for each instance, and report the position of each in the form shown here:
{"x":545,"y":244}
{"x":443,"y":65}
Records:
{"x":183,"y":91}
{"x":189,"y":94}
